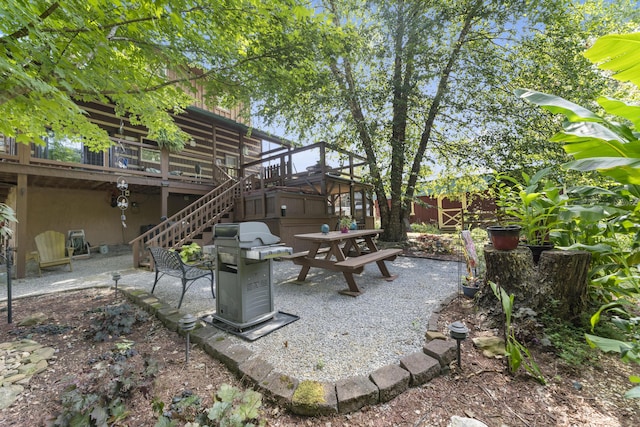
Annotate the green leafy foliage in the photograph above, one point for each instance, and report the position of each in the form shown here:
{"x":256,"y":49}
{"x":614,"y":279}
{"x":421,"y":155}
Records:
{"x":232,"y":408}
{"x":422,"y":87}
{"x":618,"y":53}
{"x":345,"y":222}
{"x":423,"y":227}
{"x":48,"y":329}
{"x":7,"y":216}
{"x":535,"y":203}
{"x":609,"y":144}
{"x":190,"y":252}
{"x":439,"y":243}
{"x":148,"y":60}
{"x":89,"y":410}
{"x":568,"y":341}
{"x":517,"y":354}
{"x":98,"y":396}
{"x":93,"y":405}
{"x":184,"y":408}
{"x":629,"y":349}
{"x":235,"y":408}
{"x":114,"y":321}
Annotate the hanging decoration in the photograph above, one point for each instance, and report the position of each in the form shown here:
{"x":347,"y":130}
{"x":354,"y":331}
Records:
{"x":123,"y":201}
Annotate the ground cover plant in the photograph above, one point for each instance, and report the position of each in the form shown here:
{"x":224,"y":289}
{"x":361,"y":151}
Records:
{"x":141,"y":379}
{"x":607,"y":142}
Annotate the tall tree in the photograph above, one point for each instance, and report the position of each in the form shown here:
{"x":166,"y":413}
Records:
{"x":144,"y":56}
{"x":415,"y":84}
{"x":550,"y":60}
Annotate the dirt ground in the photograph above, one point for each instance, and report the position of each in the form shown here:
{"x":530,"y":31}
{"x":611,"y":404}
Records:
{"x":481,"y":389}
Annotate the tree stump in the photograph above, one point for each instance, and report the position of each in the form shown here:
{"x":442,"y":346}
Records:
{"x":514,"y":272}
{"x":556,"y":286}
{"x":563,"y":277}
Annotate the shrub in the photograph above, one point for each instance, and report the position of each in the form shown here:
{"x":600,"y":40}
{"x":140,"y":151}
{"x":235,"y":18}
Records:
{"x":114,"y":321}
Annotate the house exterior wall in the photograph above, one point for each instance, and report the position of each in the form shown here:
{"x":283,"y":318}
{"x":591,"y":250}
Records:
{"x":65,"y":209}
{"x":74,"y":193}
{"x":201,"y":100}
{"x":213,"y":142}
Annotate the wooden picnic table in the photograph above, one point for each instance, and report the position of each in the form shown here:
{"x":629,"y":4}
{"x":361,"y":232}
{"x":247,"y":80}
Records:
{"x":342,"y":252}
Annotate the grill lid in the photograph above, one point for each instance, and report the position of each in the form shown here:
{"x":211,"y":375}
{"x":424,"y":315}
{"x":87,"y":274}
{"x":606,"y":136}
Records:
{"x":246,"y":234}
{"x":268,"y":252}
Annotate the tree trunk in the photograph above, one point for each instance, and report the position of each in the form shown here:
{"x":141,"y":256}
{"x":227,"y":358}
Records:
{"x":556,"y":286}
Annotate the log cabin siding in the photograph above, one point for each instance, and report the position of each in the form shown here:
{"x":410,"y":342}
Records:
{"x":57,"y":193}
{"x":201,"y":100}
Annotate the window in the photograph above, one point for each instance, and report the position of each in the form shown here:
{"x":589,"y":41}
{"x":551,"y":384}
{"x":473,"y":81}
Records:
{"x":149,"y":155}
{"x":8,"y":145}
{"x":63,"y":149}
{"x":231,"y":162}
{"x":68,"y":150}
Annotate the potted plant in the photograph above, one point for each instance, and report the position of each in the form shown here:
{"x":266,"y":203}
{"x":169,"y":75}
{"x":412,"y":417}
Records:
{"x":471,"y":285}
{"x":533,"y":204}
{"x":191,"y":252}
{"x":345,"y":223}
{"x":504,"y":237}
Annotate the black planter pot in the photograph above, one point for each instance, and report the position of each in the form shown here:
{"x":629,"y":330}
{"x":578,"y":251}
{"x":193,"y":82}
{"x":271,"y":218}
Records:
{"x":469,"y":291}
{"x":504,"y":237}
{"x":537,"y":250}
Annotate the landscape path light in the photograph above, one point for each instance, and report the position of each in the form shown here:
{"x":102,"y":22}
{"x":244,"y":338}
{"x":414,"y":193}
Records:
{"x":187,"y":323}
{"x":115,"y":276}
{"x":458,"y":332}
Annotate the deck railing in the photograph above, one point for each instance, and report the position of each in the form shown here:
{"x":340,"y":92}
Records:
{"x":191,"y":221}
{"x":142,"y":159}
{"x":278,"y":166}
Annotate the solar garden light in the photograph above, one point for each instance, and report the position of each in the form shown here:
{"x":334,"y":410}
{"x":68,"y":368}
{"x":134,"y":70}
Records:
{"x":458,"y":332}
{"x":116,"y":276}
{"x":187,"y":323}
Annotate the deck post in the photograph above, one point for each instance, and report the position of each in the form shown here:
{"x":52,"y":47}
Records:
{"x":22,"y":204}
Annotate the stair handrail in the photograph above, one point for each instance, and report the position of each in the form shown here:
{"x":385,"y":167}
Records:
{"x":190,"y":221}
{"x":220,"y":175}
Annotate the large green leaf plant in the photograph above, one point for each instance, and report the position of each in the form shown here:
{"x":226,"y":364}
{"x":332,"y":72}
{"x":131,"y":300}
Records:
{"x":535,"y":203}
{"x":7,"y":216}
{"x":608,"y":142}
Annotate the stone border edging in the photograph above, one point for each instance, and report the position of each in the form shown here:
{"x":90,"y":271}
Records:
{"x":312,"y":398}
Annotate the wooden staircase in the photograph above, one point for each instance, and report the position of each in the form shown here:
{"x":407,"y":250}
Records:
{"x":193,"y":223}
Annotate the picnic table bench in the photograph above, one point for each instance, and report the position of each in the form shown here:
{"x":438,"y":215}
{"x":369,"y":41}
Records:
{"x":377,"y":256}
{"x":169,"y":263}
{"x":342,"y":252}
{"x":304,"y":254}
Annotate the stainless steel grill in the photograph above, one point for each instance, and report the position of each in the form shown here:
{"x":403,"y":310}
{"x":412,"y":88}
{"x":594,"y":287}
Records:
{"x":243,"y":271}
